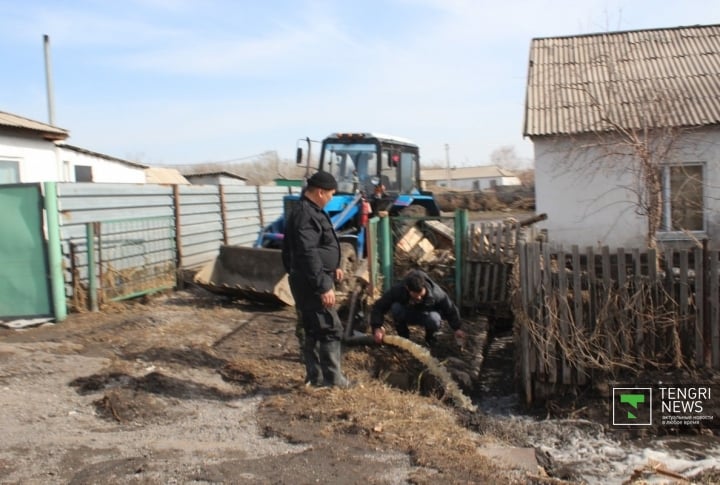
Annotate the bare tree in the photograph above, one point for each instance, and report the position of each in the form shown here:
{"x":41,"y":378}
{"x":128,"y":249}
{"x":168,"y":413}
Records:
{"x":506,"y":157}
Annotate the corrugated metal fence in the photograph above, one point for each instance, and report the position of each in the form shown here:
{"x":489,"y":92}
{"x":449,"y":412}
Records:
{"x":183,"y":227}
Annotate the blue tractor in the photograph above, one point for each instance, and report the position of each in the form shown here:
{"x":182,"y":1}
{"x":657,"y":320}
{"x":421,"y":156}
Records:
{"x":375,"y":173}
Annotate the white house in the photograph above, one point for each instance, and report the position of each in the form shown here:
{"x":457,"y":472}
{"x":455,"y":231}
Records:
{"x":608,"y":114}
{"x":32,"y":151}
{"x":469,"y":178}
{"x":28,"y":152}
{"x":81,"y":165}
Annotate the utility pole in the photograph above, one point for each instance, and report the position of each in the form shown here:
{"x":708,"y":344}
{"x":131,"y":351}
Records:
{"x":447,"y":164}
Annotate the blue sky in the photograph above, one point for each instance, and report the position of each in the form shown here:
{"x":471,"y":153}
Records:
{"x":191,"y":81}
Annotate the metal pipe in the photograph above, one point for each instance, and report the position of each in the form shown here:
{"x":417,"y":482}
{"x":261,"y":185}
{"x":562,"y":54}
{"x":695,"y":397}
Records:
{"x":461,"y":223}
{"x":97,"y":227}
{"x":91,"y":268}
{"x":57,"y":280}
{"x":386,"y":252}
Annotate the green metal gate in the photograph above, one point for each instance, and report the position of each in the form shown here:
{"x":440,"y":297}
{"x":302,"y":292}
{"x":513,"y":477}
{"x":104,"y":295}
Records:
{"x":25,"y":289}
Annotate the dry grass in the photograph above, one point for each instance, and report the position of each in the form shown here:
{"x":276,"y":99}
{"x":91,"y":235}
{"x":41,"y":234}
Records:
{"x":429,"y":428}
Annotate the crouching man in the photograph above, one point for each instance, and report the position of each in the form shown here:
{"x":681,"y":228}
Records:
{"x":416,"y":300}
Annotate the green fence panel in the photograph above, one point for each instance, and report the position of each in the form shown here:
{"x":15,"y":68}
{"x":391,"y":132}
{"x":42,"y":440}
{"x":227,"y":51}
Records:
{"x":24,"y":281}
{"x":130,"y":258}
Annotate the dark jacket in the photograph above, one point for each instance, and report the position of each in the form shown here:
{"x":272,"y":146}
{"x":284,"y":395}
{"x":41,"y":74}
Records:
{"x":311,"y":250}
{"x":435,"y":300}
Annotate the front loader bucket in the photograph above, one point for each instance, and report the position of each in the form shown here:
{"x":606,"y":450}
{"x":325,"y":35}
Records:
{"x":252,"y":273}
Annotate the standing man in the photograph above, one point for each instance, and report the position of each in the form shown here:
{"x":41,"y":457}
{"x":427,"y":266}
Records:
{"x":416,"y":300}
{"x":311,"y":255}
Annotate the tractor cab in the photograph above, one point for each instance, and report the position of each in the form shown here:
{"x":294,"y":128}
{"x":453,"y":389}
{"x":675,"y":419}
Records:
{"x":384,"y":169}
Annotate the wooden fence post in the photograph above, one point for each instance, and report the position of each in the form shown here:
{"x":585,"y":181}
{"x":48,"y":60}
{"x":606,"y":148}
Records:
{"x":180,"y":282}
{"x":524,"y":343}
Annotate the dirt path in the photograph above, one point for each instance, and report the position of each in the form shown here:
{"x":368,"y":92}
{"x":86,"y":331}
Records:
{"x":189,"y":388}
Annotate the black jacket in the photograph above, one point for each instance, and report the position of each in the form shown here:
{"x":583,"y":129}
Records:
{"x":311,"y":250}
{"x":435,"y":300}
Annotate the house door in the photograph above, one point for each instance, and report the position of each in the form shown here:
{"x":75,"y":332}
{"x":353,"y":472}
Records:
{"x":24,"y":270}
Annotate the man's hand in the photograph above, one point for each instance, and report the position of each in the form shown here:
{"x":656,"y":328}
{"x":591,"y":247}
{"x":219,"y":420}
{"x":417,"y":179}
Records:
{"x":460,"y":337}
{"x":378,"y":335}
{"x":328,"y":298}
{"x":339,"y":274}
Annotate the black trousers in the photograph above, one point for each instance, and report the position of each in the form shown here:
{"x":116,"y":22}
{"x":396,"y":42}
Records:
{"x":323,"y":332}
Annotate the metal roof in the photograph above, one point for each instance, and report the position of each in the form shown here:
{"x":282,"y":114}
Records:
{"x":49,"y":132}
{"x":101,"y":155}
{"x":379,"y":136}
{"x":632,"y":79}
{"x":164,"y":175}
{"x":214,"y":173}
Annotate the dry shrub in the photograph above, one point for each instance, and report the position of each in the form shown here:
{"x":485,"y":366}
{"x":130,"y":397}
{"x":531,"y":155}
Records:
{"x":471,"y":200}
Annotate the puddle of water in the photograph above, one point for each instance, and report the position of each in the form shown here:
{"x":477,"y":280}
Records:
{"x":581,"y":450}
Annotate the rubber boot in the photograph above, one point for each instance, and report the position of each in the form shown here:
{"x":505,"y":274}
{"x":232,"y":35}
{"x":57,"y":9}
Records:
{"x":313,"y":373}
{"x":330,"y":353}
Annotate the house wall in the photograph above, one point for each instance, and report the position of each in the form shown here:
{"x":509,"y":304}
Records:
{"x":103,"y":169}
{"x":37,"y":158}
{"x":476,"y":183}
{"x":591,"y":200}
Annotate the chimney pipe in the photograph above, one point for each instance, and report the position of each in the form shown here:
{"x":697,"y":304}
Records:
{"x":48,"y":81}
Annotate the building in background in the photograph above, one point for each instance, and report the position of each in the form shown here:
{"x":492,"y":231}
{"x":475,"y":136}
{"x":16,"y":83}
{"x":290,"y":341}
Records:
{"x":81,"y":165}
{"x":468,"y":178}
{"x":28,"y":150}
{"x":215,"y":178}
{"x":32,"y":151}
{"x":165,"y":175}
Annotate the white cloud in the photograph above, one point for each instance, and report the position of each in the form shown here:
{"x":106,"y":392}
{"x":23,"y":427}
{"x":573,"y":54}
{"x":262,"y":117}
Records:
{"x":191,"y":80}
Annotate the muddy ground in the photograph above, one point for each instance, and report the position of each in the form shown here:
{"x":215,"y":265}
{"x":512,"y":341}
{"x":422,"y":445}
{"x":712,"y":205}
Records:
{"x":191,"y":387}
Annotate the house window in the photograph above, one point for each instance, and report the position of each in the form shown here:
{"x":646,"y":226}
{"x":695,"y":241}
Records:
{"x":9,"y":172}
{"x":683,"y":198}
{"x":83,"y":173}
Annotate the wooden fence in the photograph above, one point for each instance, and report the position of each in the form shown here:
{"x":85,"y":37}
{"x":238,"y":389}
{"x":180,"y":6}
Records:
{"x":584,"y":315}
{"x":490,"y":254}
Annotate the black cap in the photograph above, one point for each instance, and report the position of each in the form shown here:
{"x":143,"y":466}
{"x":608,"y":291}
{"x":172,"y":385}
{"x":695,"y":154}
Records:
{"x":323,"y":180}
